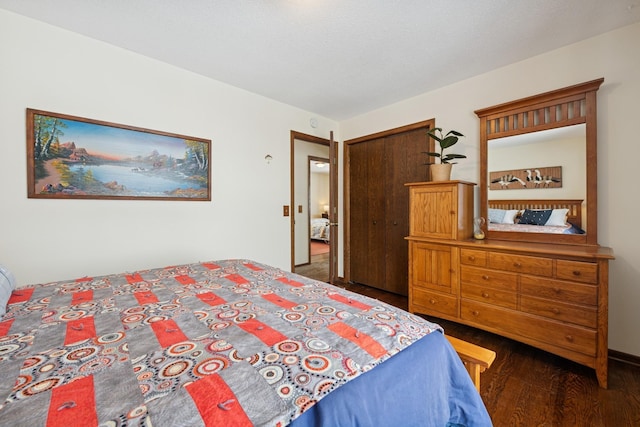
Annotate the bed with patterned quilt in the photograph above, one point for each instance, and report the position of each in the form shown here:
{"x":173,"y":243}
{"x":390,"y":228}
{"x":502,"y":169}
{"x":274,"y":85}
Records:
{"x":320,"y":229}
{"x":223,"y":343}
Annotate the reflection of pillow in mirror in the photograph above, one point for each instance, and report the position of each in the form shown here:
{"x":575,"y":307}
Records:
{"x":558,"y":217}
{"x":537,"y":217}
{"x":510,"y":216}
{"x":496,"y":215}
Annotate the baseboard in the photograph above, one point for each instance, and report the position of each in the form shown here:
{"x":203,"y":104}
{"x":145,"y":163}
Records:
{"x":624,"y":357}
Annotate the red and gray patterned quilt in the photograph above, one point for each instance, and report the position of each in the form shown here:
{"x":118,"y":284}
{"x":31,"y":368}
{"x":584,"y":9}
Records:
{"x":221,"y":343}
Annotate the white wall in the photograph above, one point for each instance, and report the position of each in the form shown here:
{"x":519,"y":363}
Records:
{"x":570,"y":154}
{"x":614,"y":56}
{"x":47,"y":68}
{"x":318,"y":193}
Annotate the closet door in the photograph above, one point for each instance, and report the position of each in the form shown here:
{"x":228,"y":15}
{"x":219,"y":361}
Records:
{"x":367,"y":212}
{"x":404,"y":163}
{"x":379,"y":166}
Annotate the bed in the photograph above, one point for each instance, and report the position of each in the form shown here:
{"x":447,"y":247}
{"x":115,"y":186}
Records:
{"x":320,"y":229}
{"x":230,"y":342}
{"x":536,"y":216}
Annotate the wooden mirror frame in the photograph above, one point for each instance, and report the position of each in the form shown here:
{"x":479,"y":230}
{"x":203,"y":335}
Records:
{"x":563,"y":107}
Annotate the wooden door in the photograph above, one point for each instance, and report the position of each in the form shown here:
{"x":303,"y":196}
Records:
{"x":435,"y":212}
{"x":377,"y":202}
{"x":334,"y":217}
{"x":404,"y":163}
{"x":366,"y":214}
{"x":432,"y":266}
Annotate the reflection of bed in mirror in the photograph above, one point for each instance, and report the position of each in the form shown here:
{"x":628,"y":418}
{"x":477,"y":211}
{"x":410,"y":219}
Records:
{"x":536,"y":216}
{"x":320,"y":229}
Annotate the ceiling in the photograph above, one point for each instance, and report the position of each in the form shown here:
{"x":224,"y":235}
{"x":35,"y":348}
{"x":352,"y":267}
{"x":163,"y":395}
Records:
{"x":335,"y":58}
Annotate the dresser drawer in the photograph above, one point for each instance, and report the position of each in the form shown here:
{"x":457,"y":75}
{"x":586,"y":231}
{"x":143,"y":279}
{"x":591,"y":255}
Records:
{"x":489,"y":295}
{"x":432,"y":302}
{"x":586,"y":272}
{"x":486,"y":277}
{"x":559,"y":290}
{"x":473,"y":257}
{"x":529,"y":328}
{"x":521,"y":264}
{"x":559,"y":311}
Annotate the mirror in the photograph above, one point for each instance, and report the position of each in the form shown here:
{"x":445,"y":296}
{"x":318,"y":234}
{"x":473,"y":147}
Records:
{"x":545,"y":165}
{"x":539,"y":154}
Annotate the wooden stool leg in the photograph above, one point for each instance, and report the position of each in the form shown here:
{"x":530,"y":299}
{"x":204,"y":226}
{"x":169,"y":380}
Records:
{"x":475,"y":358}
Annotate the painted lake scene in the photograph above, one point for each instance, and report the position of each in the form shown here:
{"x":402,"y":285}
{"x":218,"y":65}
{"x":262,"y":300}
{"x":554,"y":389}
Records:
{"x":72,"y":157}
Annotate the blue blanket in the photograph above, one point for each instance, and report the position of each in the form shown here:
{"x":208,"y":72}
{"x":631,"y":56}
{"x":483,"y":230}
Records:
{"x":425,"y":384}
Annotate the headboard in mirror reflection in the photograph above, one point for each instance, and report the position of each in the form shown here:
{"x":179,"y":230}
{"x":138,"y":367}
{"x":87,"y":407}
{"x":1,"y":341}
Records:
{"x":555,"y":131}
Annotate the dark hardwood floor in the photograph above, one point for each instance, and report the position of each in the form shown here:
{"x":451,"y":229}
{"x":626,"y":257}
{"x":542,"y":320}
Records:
{"x":530,"y":387}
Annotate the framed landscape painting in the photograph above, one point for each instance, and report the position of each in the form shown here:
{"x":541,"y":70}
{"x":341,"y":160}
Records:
{"x":77,"y":158}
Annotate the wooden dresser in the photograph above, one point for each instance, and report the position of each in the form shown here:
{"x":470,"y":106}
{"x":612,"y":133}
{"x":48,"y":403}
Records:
{"x":553,"y":297}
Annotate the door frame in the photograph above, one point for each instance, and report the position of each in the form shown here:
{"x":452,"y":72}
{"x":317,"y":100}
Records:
{"x":333,"y":194}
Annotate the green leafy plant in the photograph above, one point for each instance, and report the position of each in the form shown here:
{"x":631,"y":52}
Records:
{"x":447,"y":140}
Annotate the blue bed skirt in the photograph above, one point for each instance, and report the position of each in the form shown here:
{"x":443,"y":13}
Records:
{"x":426,"y":384}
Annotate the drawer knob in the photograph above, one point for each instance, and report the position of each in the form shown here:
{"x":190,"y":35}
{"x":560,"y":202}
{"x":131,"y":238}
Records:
{"x":555,"y":310}
{"x":517,"y":264}
{"x":576,"y":273}
{"x":485,"y":277}
{"x":556,"y":290}
{"x":432,"y":301}
{"x":475,"y":312}
{"x":485,"y":294}
{"x":472,"y":258}
{"x":569,"y":338}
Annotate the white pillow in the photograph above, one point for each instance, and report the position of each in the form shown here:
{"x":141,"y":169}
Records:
{"x":496,"y":215}
{"x":558,"y":217}
{"x":7,"y":285}
{"x":510,"y":216}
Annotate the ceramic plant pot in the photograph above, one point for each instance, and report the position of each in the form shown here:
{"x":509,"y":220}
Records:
{"x":441,"y":171}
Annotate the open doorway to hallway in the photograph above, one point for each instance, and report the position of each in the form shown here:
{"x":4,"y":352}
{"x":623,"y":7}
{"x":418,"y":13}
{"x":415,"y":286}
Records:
{"x":319,"y":235}
{"x":311,"y":203}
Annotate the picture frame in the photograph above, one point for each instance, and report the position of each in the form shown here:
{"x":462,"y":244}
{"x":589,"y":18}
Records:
{"x":71,"y":157}
{"x":526,"y":179}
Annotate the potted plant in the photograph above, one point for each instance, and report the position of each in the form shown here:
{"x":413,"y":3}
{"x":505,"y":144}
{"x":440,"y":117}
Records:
{"x":442,"y":171}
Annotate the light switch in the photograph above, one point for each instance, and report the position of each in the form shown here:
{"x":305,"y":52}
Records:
{"x":285,"y":210}
{"x":299,"y":208}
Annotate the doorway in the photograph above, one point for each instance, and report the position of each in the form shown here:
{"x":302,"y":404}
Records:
{"x":312,"y":185}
